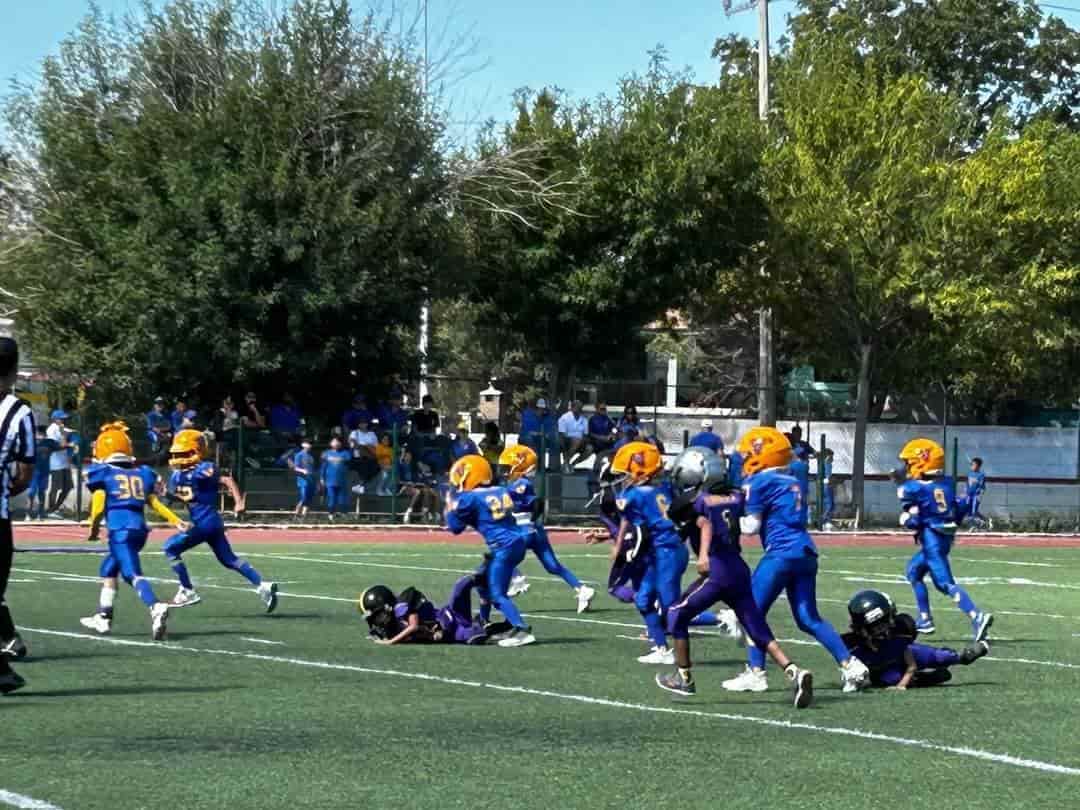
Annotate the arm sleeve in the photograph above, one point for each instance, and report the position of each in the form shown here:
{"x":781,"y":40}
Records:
{"x":97,"y":511}
{"x":165,"y":512}
{"x":457,"y":518}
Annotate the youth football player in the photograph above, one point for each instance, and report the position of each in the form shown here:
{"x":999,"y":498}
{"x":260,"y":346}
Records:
{"x":411,"y":617}
{"x":929,"y":508}
{"x":473,"y":502}
{"x":707,"y":512}
{"x":774,"y":510}
{"x":197,"y":483}
{"x":976,"y":488}
{"x":334,"y":476}
{"x":885,"y":641}
{"x":518,"y":464}
{"x":303,"y":466}
{"x":121,"y":493}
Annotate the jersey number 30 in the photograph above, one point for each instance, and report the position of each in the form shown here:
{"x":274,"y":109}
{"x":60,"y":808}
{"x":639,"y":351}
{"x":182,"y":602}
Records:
{"x":130,"y":487}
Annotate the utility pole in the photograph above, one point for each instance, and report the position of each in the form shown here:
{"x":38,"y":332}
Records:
{"x":425,"y":308}
{"x":766,"y":394}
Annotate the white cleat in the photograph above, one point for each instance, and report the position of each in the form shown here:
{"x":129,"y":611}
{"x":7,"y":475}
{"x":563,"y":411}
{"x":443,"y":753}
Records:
{"x":519,"y":638}
{"x":585,"y":596}
{"x":749,"y":680}
{"x":159,"y":617}
{"x":185,"y":597}
{"x":518,"y":586}
{"x":659,"y":655}
{"x":102,"y":625}
{"x":854,"y":675}
{"x":268,"y":594}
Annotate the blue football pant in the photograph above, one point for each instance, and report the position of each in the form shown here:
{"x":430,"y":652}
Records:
{"x":797,"y":577}
{"x":214,"y":537}
{"x":337,"y":499}
{"x":933,"y":559}
{"x":661,"y":582}
{"x":539,"y":544}
{"x":123,"y":560}
{"x":499,"y":571}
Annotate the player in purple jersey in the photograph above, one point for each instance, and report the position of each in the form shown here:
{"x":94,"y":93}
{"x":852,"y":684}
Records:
{"x":707,"y":511}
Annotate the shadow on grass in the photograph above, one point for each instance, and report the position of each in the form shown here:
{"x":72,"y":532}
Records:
{"x":135,"y":690}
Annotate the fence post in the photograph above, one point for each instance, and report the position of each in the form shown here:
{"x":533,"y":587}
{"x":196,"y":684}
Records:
{"x":241,"y":467}
{"x":77,"y":461}
{"x":955,"y":456}
{"x":541,"y":489}
{"x":685,"y":438}
{"x":821,"y":485}
{"x":394,"y":473}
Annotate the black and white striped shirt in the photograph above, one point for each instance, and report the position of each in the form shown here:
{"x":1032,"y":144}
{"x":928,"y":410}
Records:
{"x":16,"y":444}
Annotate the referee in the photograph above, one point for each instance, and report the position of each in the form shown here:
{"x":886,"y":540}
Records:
{"x":16,"y":469}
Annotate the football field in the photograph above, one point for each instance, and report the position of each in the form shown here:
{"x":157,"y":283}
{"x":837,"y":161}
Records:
{"x":241,"y":710}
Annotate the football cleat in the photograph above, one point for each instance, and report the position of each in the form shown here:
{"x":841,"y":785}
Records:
{"x":980,"y":625}
{"x":925,"y":626}
{"x":268,"y":593}
{"x":10,"y":681}
{"x":159,"y":617}
{"x":802,"y":682}
{"x":675,"y":682}
{"x":518,"y":586}
{"x":518,"y":638}
{"x":99,"y":623}
{"x":585,"y":596}
{"x":14,"y":647}
{"x":749,"y":680}
{"x":185,"y":597}
{"x":854,"y":675}
{"x":970,"y":655}
{"x":659,"y":655}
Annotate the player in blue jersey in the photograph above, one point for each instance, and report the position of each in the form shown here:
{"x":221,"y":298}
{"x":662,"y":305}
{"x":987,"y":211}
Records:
{"x":644,"y":504}
{"x":197,"y":483}
{"x":121,"y":492}
{"x":302,"y":464}
{"x":799,"y":469}
{"x":930,"y":508}
{"x":334,"y":477}
{"x":517,"y":463}
{"x":473,"y":502}
{"x":774,"y":510}
{"x":976,"y":488}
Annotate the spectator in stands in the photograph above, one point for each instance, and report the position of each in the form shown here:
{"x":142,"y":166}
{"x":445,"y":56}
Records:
{"x":158,"y":426}
{"x":424,"y":427}
{"x":630,"y":417}
{"x":253,"y":418}
{"x":60,"y":482}
{"x":795,"y":437}
{"x":492,"y":445}
{"x":177,"y":416}
{"x":734,"y":470}
{"x":285,"y":417}
{"x":227,"y":419}
{"x":391,"y":414}
{"x":187,"y":421}
{"x":463,"y":445}
{"x":362,"y":442}
{"x":303,"y":467}
{"x":706,"y":438}
{"x":538,"y":427}
{"x":351,"y":418}
{"x":423,"y":496}
{"x":602,"y":432}
{"x":384,"y":455}
{"x":573,"y":436}
{"x":627,"y":434}
{"x":650,"y":436}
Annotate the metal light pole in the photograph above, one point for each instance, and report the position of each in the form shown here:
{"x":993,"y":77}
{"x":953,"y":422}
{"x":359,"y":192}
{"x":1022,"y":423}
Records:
{"x":766,"y":379}
{"x":425,"y":308}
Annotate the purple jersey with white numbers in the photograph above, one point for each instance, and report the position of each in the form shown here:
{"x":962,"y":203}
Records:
{"x":722,"y":516}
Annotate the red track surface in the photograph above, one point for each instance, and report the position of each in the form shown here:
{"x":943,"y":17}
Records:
{"x":35,"y":534}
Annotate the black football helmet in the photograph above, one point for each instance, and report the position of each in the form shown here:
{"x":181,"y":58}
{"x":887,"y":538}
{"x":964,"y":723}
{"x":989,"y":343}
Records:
{"x":376,"y":599}
{"x":873,"y":615}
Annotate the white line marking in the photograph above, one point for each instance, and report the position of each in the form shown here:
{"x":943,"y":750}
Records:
{"x":1059,"y":664}
{"x":868,"y":577}
{"x":263,"y":641}
{"x":974,"y":753}
{"x":24,"y":802}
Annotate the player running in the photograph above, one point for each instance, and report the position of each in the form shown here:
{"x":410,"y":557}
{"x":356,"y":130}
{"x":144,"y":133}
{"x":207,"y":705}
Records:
{"x":197,"y":483}
{"x":121,"y":493}
{"x":518,"y":465}
{"x":773,"y":510}
{"x":474,"y":502}
{"x":929,"y":507}
{"x":707,"y":511}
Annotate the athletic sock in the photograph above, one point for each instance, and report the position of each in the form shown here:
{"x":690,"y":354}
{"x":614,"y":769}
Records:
{"x":180,"y":569}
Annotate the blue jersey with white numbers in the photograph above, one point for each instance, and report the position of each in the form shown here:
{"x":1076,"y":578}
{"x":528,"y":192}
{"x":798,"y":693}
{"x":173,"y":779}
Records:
{"x":976,"y":484}
{"x":199,"y":488}
{"x":800,"y":471}
{"x":126,"y":490}
{"x":936,"y":502}
{"x":489,"y":510}
{"x":647,"y":506}
{"x":523,"y":494}
{"x":335,"y":468}
{"x":777,"y":499}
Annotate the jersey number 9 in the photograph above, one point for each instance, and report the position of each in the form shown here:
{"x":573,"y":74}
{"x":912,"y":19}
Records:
{"x":941,"y":501}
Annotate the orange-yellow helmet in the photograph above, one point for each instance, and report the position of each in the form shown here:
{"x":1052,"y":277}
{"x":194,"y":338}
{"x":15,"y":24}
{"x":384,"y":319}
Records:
{"x":470,"y":472}
{"x":518,"y":460}
{"x":637,"y":462}
{"x":113,"y":445}
{"x":764,"y":448}
{"x":188,"y":449}
{"x":923,"y":457}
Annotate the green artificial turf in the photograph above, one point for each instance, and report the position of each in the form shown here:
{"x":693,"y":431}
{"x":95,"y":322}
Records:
{"x":325,"y":719}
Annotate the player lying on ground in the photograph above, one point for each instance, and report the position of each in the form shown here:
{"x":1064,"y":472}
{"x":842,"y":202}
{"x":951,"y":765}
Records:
{"x":930,"y":508}
{"x":773,"y":509}
{"x":707,"y":512}
{"x":197,"y":483}
{"x":885,"y":641}
{"x":121,"y":493}
{"x":411,"y":618}
{"x":474,"y":502}
{"x":517,"y":464}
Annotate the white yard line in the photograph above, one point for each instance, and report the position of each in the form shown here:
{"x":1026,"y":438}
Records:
{"x":24,"y":802}
{"x":973,"y":753}
{"x":263,"y":641}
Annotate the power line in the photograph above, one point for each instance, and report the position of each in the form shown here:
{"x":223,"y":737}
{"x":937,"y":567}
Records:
{"x":1073,"y":9}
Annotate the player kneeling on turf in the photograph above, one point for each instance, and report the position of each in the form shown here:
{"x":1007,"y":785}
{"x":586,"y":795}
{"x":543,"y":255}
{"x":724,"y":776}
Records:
{"x":410,"y":617}
{"x":885,"y":641}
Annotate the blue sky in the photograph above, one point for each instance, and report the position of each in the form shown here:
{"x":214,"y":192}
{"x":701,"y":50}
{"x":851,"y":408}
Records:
{"x":582,"y":46}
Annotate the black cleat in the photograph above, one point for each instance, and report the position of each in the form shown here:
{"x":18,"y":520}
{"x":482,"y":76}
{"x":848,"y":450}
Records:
{"x":13,"y":648}
{"x":676,"y":683}
{"x":969,"y":655}
{"x":10,"y":681}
